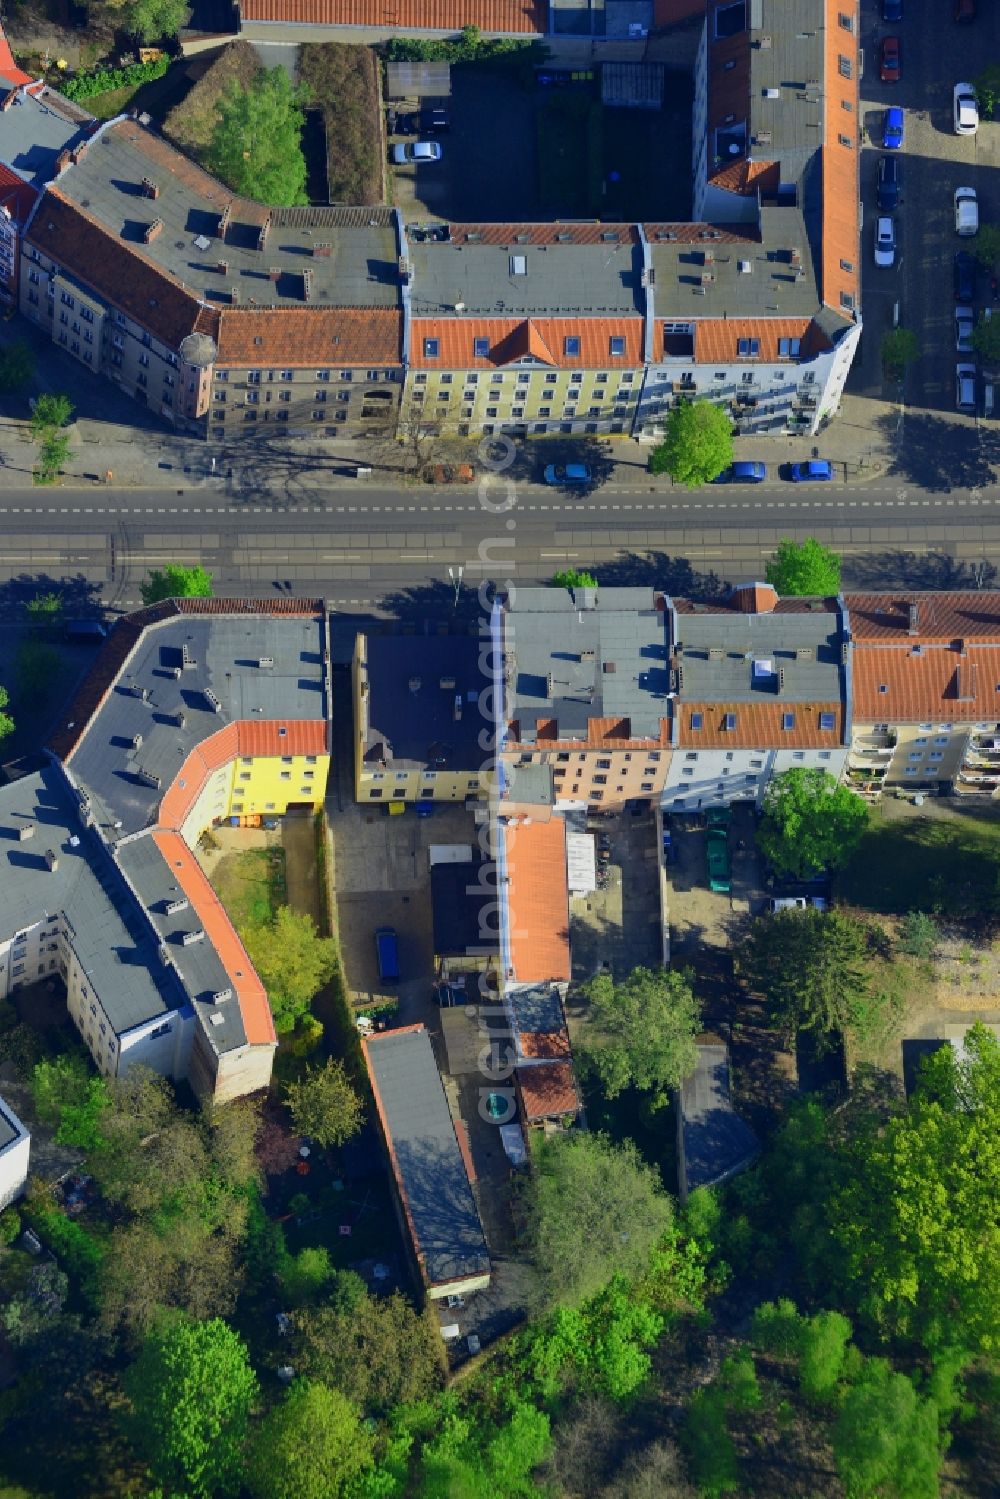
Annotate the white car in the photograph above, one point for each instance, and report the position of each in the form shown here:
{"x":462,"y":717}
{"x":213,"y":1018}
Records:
{"x":966,"y":211}
{"x":966,"y":109}
{"x":963,"y":329}
{"x":417,"y":151}
{"x":965,"y":387}
{"x":885,"y":241}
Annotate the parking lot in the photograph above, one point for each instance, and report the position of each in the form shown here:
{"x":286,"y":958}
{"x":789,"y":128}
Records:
{"x":934,"y":161}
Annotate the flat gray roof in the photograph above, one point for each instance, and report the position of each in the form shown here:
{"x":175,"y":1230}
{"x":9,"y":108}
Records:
{"x":716,"y":1141}
{"x":113,"y":944}
{"x":361,"y":268}
{"x":414,"y":683}
{"x":427,"y":1162}
{"x":800,"y":653}
{"x":225,"y":650}
{"x":479,"y":279}
{"x":35,"y":129}
{"x":583,"y":654}
{"x":198,"y":964}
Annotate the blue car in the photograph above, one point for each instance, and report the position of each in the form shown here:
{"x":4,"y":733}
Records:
{"x":892,"y":130}
{"x":816,"y":468}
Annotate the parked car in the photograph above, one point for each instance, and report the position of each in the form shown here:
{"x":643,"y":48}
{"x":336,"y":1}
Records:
{"x":435,"y":121}
{"x":885,"y":241}
{"x":742,"y":473}
{"x":965,"y":387}
{"x":966,"y":211}
{"x":892,"y":129}
{"x":966,"y":107}
{"x":892,"y":10}
{"x":417,"y":152}
{"x":890,"y":65}
{"x":814,"y":468}
{"x":965,"y":10}
{"x":965,"y":277}
{"x":567,"y":473}
{"x":887,"y":184}
{"x":964,"y":323}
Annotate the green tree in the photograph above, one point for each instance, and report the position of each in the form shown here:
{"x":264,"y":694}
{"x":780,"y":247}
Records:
{"x":44,"y":613}
{"x":154,"y":20}
{"x":812,"y":967}
{"x":191,"y":1390}
{"x":885,"y":1440}
{"x":17,"y":365}
{"x":915,"y":1221}
{"x":377,"y":1350}
{"x":900,"y":347}
{"x":571,"y":577}
{"x":986,"y":339}
{"x":580,"y":1194}
{"x":310,"y":1446}
{"x":176,"y":582}
{"x":6,"y":722}
{"x":50,"y":413}
{"x":804,"y":568}
{"x":697,"y":444}
{"x":324,"y":1105}
{"x":918,"y":935}
{"x":293,"y":961}
{"x":257,"y":143}
{"x":640,"y":1033}
{"x":810,"y":825}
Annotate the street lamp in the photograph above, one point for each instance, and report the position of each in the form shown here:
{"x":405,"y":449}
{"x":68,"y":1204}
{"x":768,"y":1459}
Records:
{"x":455,"y":574}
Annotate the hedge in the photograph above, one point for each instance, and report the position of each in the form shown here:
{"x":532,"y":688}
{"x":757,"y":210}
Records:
{"x":103,"y":80}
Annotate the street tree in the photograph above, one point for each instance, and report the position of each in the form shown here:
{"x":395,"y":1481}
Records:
{"x":640,"y":1033}
{"x":293,"y":961}
{"x":6,"y":722}
{"x":986,"y":339}
{"x":191,"y":1390}
{"x":886,"y":1439}
{"x":310,"y":1446}
{"x":324,"y":1105}
{"x":916,"y":1221}
{"x":17,"y":365}
{"x":697,"y":444}
{"x":175,"y":581}
{"x":593,"y":1209}
{"x":900,"y":347}
{"x":804,"y":568}
{"x":154,"y":20}
{"x":810,"y":824}
{"x":813,"y":969}
{"x":256,"y":146}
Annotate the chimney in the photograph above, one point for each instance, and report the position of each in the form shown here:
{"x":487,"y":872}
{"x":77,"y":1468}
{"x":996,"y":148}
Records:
{"x":914,"y":618}
{"x":52,"y":860}
{"x":150,"y":189}
{"x":152,"y":230}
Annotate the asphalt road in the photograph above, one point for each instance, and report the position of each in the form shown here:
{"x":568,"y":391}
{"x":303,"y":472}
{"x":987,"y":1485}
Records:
{"x":363,"y":546}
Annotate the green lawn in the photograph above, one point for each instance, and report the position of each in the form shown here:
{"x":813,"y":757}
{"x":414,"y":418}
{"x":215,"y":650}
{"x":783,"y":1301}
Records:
{"x":947,"y":863}
{"x":251,"y":885}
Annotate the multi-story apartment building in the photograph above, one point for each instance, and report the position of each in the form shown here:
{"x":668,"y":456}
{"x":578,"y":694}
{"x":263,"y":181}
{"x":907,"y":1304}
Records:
{"x":925,"y":689}
{"x":196,"y":711}
{"x":586,"y":692}
{"x":758,"y":686}
{"x":420,"y":729}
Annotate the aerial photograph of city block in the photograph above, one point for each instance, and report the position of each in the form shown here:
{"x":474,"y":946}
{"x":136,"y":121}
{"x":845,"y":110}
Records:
{"x":499,"y":749}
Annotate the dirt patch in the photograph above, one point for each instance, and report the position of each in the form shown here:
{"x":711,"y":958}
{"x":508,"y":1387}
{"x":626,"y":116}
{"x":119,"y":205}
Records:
{"x":191,"y":122}
{"x":343,"y":86}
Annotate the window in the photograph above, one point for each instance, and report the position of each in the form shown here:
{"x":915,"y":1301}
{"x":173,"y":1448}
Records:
{"x":844,"y":66}
{"x":748,"y":348}
{"x":827,"y":721}
{"x":432,"y":348}
{"x":571,"y":346}
{"x":616,"y":347}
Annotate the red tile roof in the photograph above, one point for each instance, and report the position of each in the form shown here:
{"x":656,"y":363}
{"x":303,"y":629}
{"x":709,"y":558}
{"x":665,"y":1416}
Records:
{"x":538,"y":901}
{"x":515,"y":338}
{"x":546,"y":1088}
{"x":955,"y":682}
{"x":505,"y":16}
{"x":81,"y":245}
{"x":759,"y":725}
{"x":251,"y":996}
{"x":298,"y":337}
{"x":939,"y":616}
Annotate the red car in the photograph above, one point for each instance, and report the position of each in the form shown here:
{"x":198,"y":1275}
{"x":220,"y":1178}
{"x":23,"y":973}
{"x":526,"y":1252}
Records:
{"x":890,"y":62}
